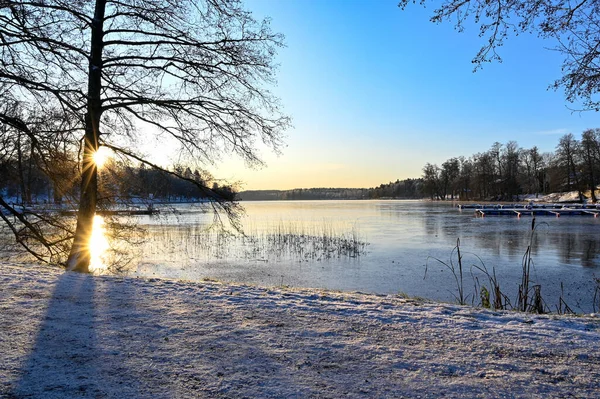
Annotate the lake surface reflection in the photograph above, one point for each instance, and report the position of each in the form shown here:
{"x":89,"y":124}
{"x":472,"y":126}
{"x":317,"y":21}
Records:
{"x":404,"y":238}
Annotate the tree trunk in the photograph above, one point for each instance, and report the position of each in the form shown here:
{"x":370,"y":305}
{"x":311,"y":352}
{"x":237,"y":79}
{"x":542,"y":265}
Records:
{"x":25,"y":195}
{"x":79,"y":257}
{"x":30,"y":172}
{"x":577,"y":184}
{"x":56,"y":193}
{"x":592,"y":181}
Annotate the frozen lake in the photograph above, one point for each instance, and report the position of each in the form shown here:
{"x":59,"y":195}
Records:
{"x":403,"y":239}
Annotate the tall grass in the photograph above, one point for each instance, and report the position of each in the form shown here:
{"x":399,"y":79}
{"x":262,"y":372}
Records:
{"x":530,"y":299}
{"x":490,"y":294}
{"x":456,"y":269}
{"x":493,"y":297}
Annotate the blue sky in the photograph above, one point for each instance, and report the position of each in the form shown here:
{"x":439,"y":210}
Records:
{"x":376,"y":92}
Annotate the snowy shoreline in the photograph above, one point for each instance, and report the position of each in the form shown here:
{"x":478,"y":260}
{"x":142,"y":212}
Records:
{"x":69,"y":335}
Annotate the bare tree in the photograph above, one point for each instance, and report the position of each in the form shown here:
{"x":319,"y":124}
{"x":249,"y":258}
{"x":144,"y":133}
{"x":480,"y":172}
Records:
{"x":590,"y":154}
{"x":431,"y":181}
{"x":465,"y":177}
{"x":567,"y":152}
{"x":532,"y":160}
{"x":573,"y":27}
{"x":196,"y":71}
{"x":511,"y":166}
{"x":449,"y":176}
{"x":43,"y":164}
{"x":484,"y":174}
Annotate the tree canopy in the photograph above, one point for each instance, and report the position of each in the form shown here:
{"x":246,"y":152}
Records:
{"x":114,"y":72}
{"x":573,"y":27}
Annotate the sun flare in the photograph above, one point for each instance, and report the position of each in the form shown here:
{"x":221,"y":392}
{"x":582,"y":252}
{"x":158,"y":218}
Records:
{"x":101,"y":156}
{"x":98,"y":245}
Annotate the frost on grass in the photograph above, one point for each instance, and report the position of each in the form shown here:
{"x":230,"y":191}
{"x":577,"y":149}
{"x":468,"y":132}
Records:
{"x":70,"y":335}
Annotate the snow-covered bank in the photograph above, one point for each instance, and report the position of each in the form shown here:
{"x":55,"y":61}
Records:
{"x":66,"y":335}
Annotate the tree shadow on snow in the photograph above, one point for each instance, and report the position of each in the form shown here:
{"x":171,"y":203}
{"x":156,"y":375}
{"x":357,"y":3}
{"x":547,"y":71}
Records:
{"x":67,"y":358}
{"x":63,"y":361}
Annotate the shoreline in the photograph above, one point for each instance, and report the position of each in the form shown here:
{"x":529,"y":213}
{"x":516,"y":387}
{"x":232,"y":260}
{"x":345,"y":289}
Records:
{"x":64,"y":334}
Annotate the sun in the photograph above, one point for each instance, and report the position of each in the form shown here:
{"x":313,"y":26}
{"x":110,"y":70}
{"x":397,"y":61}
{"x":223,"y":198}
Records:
{"x":101,"y":156}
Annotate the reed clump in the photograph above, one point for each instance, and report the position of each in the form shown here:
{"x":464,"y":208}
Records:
{"x":317,"y":241}
{"x":283,"y":240}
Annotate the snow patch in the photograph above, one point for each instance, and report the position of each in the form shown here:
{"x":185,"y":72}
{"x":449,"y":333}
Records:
{"x":75,"y":335}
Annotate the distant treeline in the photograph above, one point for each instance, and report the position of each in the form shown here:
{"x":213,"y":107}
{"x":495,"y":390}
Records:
{"x":400,"y":189}
{"x":405,"y":189}
{"x":506,"y":171}
{"x":304,"y":194}
{"x":144,"y":182}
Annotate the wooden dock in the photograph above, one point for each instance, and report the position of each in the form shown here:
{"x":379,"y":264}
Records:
{"x":529,"y":206}
{"x":518,"y":212}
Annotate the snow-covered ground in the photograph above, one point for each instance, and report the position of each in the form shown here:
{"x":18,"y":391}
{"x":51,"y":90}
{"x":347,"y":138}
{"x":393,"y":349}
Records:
{"x":66,"y":335}
{"x":570,"y":196}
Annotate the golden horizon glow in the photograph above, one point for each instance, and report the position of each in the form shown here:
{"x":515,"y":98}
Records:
{"x":101,"y":156}
{"x":98,"y":245}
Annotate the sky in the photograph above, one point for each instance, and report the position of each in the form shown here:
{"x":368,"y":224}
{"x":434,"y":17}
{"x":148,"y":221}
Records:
{"x":376,"y":92}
